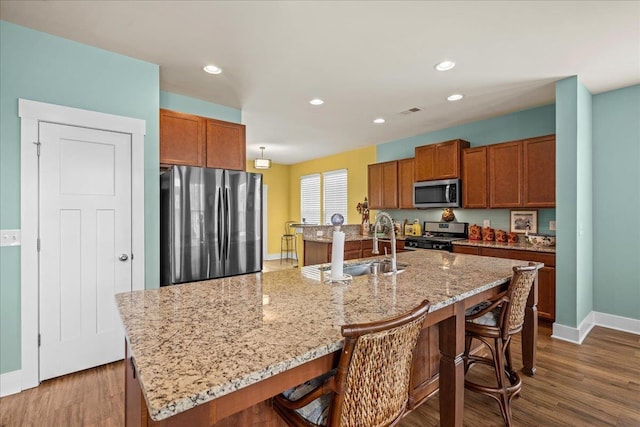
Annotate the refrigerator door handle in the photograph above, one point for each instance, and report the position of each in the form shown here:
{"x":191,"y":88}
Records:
{"x":228,"y":221}
{"x":220,"y":235}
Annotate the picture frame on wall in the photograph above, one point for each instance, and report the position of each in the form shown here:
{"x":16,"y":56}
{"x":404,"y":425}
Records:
{"x":523,"y":221}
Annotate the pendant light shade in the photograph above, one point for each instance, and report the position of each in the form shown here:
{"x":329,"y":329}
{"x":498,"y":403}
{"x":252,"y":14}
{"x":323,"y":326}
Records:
{"x":262,"y":163}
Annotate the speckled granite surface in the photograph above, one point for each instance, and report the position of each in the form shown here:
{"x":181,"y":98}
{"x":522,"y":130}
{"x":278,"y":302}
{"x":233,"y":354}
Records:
{"x":194,"y":342}
{"x":498,"y":245}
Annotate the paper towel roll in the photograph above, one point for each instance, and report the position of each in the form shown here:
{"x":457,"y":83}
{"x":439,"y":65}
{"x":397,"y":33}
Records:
{"x":337,"y":256}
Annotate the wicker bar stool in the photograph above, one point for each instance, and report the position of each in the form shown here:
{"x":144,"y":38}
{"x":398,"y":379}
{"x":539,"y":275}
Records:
{"x":370,"y":386}
{"x":288,"y":242}
{"x":493,"y":323}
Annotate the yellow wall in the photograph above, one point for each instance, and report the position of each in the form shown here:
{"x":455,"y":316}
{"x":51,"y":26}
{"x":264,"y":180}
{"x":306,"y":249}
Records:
{"x":283,"y":194}
{"x":278,"y":195}
{"x":354,"y":161}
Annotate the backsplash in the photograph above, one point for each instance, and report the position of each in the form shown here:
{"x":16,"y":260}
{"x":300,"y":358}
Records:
{"x":500,"y":218}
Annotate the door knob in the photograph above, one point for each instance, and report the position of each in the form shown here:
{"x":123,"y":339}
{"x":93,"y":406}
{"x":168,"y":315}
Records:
{"x":123,"y":257}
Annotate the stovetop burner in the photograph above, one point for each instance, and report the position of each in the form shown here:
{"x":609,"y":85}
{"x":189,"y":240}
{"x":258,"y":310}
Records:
{"x":432,"y":238}
{"x":438,"y":235}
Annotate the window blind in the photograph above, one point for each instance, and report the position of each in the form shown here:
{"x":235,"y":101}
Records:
{"x":310,"y":198}
{"x":335,"y":194}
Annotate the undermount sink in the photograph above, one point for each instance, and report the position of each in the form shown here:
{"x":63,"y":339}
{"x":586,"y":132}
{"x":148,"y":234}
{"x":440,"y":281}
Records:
{"x":369,"y":267}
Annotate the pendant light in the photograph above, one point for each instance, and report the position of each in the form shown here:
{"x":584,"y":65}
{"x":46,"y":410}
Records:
{"x":262,"y":163}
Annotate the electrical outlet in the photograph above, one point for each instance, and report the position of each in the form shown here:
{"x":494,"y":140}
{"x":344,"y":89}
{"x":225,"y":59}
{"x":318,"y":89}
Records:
{"x":552,"y":225}
{"x":486,"y":223}
{"x":10,"y":237}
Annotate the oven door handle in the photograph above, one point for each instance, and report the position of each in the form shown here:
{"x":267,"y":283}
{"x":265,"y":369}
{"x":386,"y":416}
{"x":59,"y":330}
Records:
{"x":447,"y":189}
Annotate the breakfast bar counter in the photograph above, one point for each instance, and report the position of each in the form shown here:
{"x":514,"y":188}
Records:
{"x":250,"y":337}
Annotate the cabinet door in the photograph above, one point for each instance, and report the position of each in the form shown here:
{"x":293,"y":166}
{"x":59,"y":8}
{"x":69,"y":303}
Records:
{"x":405,"y":183}
{"x":447,"y":164}
{"x":182,"y":139}
{"x":540,"y":172}
{"x":374,"y":185}
{"x":547,"y":293}
{"x":425,"y":163}
{"x":383,"y":185}
{"x":226,"y":146}
{"x":474,"y":177}
{"x":505,"y":175}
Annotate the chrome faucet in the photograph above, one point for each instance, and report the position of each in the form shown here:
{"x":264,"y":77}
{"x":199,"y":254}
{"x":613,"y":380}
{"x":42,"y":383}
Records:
{"x":376,"y":251}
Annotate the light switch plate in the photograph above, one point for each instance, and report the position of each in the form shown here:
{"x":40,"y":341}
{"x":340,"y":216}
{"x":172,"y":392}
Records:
{"x":486,"y":223}
{"x":10,"y":237}
{"x":552,"y":225}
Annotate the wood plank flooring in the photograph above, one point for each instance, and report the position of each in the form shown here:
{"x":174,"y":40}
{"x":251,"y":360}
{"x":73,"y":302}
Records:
{"x":595,"y":384}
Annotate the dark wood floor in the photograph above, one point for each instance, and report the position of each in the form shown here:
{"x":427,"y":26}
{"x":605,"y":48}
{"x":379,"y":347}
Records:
{"x":595,"y":384}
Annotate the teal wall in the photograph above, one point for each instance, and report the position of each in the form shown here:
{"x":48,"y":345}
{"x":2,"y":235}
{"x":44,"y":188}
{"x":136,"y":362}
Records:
{"x":584,"y":195}
{"x":566,"y":211}
{"x":574,"y":188}
{"x":41,"y":67}
{"x":616,"y":207}
{"x":185,"y":104}
{"x":523,"y":124}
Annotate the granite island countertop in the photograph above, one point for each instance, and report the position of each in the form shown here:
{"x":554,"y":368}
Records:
{"x":194,"y":342}
{"x":520,"y":246}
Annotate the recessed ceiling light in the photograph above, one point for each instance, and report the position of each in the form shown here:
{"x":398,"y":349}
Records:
{"x":444,"y":65}
{"x":316,"y":101}
{"x":455,"y":97}
{"x":212,"y":69}
{"x":378,"y":120}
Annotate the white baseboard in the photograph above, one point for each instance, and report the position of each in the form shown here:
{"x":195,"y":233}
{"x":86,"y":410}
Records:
{"x":577,"y":335}
{"x":10,"y":383}
{"x":618,"y":323}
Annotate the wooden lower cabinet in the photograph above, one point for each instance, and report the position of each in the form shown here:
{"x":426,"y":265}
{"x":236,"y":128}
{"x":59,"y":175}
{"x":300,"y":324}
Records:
{"x":546,"y":275}
{"x":547,"y":293}
{"x":426,"y":365}
{"x":320,"y":252}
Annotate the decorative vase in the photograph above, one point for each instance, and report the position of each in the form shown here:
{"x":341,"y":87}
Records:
{"x":448,"y":215}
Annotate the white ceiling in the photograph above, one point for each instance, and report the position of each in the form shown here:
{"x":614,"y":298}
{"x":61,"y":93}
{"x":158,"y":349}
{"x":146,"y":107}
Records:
{"x":366,"y":59}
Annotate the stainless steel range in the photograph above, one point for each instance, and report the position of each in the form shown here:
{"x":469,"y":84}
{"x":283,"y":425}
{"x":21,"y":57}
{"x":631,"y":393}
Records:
{"x":438,"y":235}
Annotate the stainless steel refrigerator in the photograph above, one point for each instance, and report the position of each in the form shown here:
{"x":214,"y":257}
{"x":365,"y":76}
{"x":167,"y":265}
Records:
{"x":210,"y":224}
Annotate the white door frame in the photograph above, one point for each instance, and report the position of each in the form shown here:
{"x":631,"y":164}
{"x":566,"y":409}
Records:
{"x":31,"y":114}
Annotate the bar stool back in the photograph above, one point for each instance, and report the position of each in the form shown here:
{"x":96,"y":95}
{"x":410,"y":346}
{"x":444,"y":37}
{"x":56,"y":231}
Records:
{"x":288,"y":242}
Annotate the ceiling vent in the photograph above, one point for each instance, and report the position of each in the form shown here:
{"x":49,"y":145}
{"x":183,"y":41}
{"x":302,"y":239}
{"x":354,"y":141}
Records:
{"x":411,"y":110}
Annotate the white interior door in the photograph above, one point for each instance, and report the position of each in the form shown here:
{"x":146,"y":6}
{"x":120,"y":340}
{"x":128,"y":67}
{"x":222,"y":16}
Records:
{"x":85,"y":246}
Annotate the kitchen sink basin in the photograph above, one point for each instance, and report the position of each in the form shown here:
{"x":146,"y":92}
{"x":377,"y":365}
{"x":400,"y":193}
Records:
{"x":369,"y":267}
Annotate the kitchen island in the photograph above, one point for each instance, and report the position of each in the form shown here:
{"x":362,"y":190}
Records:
{"x":203,"y":351}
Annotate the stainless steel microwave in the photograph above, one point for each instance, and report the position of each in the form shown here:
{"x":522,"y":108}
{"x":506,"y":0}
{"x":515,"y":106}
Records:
{"x":444,"y":193}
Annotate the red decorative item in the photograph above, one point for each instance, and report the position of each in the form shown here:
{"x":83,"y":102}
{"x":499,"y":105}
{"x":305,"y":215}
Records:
{"x":475,"y":232}
{"x":501,"y":236}
{"x":488,"y":234}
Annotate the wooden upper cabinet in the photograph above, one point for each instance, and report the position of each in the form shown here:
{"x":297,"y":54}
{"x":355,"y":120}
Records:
{"x":439,"y":161}
{"x":182,"y":139}
{"x":226,"y":146}
{"x":540,"y":172}
{"x":186,"y":139}
{"x":474,"y":178}
{"x":506,"y":175}
{"x":405,"y":183}
{"x":522,"y":174}
{"x":383,"y":185}
{"x":425,"y":161}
